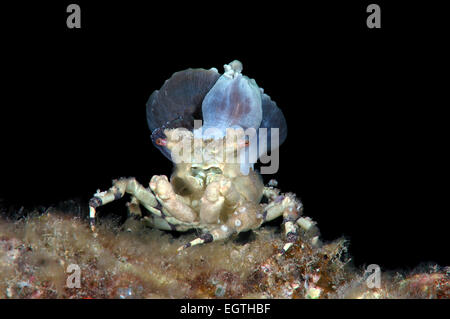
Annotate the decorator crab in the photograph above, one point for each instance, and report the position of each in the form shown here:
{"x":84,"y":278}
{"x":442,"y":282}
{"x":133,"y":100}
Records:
{"x":197,"y":120}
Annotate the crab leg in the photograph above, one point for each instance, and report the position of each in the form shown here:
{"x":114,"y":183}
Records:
{"x":203,"y":239}
{"x":244,"y":218}
{"x":218,"y":233}
{"x":290,"y":208}
{"x":153,"y":220}
{"x":119,"y":188}
{"x":133,"y":207}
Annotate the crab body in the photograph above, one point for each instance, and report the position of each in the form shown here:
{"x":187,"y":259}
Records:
{"x":213,"y":187}
{"x":210,"y":192}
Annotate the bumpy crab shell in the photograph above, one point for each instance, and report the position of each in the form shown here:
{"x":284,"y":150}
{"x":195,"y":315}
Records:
{"x":213,"y":195}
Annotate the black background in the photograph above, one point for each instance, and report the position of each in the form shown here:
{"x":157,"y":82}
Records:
{"x":366,"y":149}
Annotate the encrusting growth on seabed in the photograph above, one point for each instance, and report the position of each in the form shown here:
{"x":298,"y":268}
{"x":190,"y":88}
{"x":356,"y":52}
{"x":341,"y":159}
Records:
{"x":134,"y":261}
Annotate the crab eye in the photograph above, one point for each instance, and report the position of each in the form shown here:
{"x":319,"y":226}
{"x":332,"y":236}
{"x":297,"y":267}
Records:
{"x":161,"y":141}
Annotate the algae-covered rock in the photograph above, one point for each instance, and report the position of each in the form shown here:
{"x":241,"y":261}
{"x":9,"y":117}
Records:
{"x":41,"y":256}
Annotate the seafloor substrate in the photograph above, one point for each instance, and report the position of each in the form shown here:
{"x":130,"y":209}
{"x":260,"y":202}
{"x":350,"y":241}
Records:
{"x":131,"y":261}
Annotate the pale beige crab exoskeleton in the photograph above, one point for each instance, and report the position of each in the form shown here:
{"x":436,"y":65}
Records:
{"x":207,"y":191}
